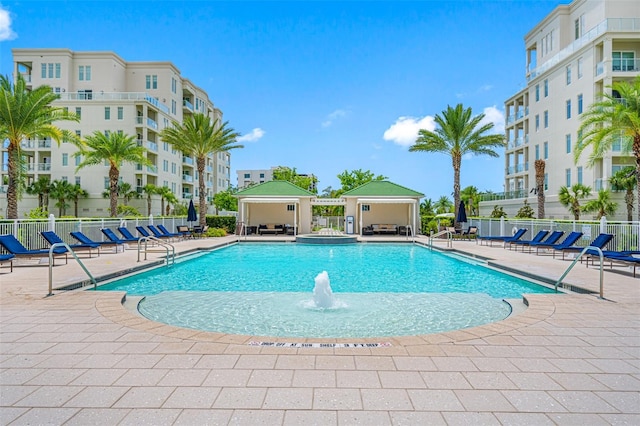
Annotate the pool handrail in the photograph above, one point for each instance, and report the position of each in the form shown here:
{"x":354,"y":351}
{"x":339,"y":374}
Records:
{"x":158,"y":241}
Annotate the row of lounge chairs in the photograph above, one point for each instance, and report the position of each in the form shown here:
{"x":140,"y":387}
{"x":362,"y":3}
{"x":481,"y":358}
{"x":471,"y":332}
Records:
{"x":16,"y":249}
{"x":546,"y":241}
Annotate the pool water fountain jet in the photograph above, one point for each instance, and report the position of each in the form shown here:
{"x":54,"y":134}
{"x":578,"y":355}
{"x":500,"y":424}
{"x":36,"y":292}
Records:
{"x":322,"y":294}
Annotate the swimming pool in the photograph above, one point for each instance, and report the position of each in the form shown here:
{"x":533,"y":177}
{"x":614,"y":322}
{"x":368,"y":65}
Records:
{"x":380,"y":289}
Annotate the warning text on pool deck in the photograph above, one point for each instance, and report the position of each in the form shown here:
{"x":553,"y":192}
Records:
{"x":320,"y":345}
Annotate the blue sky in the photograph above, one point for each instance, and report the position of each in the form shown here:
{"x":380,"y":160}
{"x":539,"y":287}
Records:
{"x":320,"y":86}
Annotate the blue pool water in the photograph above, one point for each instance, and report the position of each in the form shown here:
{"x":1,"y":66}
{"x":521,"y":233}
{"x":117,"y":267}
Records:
{"x":382,"y":290}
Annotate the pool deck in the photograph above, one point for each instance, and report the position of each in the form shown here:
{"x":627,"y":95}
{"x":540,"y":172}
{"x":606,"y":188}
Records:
{"x":81,"y":357}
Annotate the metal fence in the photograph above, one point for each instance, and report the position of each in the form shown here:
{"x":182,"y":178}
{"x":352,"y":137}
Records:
{"x":28,"y":230}
{"x":626,"y":234}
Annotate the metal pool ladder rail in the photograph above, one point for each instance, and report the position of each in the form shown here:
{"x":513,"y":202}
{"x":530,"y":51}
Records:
{"x":576,"y":261}
{"x":73,"y":253}
{"x":168,"y":247}
{"x":449,"y":238}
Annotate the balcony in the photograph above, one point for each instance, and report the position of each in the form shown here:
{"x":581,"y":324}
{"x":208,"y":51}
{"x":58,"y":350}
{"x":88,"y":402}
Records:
{"x":187,"y":160}
{"x":115,"y":96}
{"x":27,"y":78}
{"x":518,"y":168}
{"x":149,"y":122}
{"x":187,"y":178}
{"x":152,"y":146}
{"x":187,"y":195}
{"x":152,"y":169}
{"x":508,"y":195}
{"x":44,"y":143}
{"x":188,"y":105}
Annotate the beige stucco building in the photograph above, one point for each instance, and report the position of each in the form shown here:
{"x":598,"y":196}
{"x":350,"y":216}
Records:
{"x":572,"y":55}
{"x":110,"y":94}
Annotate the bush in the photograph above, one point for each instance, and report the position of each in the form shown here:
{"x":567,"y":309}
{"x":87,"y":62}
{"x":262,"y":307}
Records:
{"x":525,"y":212}
{"x":123,"y":210}
{"x":215,"y":232}
{"x":498,"y":212}
{"x":37,"y":213}
{"x":227,"y":223}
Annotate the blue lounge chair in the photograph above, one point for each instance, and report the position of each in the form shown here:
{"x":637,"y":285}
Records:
{"x":142,"y":231}
{"x":113,"y":237}
{"x":567,"y":242}
{"x":600,"y":241}
{"x":502,"y":238}
{"x":53,"y":238}
{"x":7,"y":258}
{"x":127,"y":236}
{"x":15,"y":247}
{"x":165,"y":231}
{"x":156,"y":233}
{"x":539,"y":237}
{"x":83,"y":239}
{"x":551,"y":239}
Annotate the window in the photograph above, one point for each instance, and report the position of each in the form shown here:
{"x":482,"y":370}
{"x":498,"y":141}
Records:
{"x":50,"y":70}
{"x":568,"y":177}
{"x":43,"y":73}
{"x":545,"y":150}
{"x":546,"y":181}
{"x":165,"y":165}
{"x":576,"y":29}
{"x":85,"y":94}
{"x":165,"y":146}
{"x":120,"y":113}
{"x":147,"y":83}
{"x":154,"y":81}
{"x":291,"y":207}
{"x":78,"y":180}
{"x":568,"y":71}
{"x":580,"y":175}
{"x":65,"y":178}
{"x":623,"y":61}
{"x":106,"y":182}
{"x":79,"y":112}
{"x":173,"y":107}
{"x":247,"y":175}
{"x":580,"y":66}
{"x":580,"y":103}
{"x":79,"y":133}
{"x":366,"y":207}
{"x":537,"y":152}
{"x":537,"y":92}
{"x":78,"y":160}
{"x":173,"y":168}
{"x":568,"y":109}
{"x":84,"y":73}
{"x":57,"y":65}
{"x":261,"y":175}
{"x":174,"y":85}
{"x":65,"y":159}
{"x":546,"y":88}
{"x":537,"y":122}
{"x":567,"y":139}
{"x":546,"y":119}
{"x":107,"y":113}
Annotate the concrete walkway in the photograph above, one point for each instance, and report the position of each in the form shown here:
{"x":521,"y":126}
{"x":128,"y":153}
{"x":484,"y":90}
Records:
{"x":80,"y":357}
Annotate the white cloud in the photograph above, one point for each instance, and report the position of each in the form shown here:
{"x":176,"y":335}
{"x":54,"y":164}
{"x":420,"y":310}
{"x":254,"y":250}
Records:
{"x":495,"y":116}
{"x":6,"y":33}
{"x":339,"y":113}
{"x":255,"y":135}
{"x":405,"y":130}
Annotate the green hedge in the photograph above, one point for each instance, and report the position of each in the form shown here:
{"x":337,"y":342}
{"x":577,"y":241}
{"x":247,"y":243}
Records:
{"x":228,"y":223}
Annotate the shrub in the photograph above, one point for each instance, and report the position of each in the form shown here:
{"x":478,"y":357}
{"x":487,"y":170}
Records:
{"x":498,"y":212}
{"x":216,"y":232}
{"x":227,"y":223}
{"x":123,"y":210}
{"x":525,"y":212}
{"x":37,"y":213}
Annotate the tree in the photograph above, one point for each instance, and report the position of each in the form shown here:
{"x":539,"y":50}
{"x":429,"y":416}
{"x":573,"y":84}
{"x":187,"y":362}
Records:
{"x":165,"y":194}
{"x":355,"y":178}
{"x":224,"y":200}
{"x":75,"y":192}
{"x":61,"y":191}
{"x":625,"y":180}
{"x":201,"y":137}
{"x":471,"y":199}
{"x":41,"y":187}
{"x":498,"y":212}
{"x":116,"y":149}
{"x":525,"y":212}
{"x":539,"y":189}
{"x":25,"y":114}
{"x":443,"y":205}
{"x":308,"y":182}
{"x":602,"y":205}
{"x":614,"y":117}
{"x":458,"y":133}
{"x":127,"y":192}
{"x":427,"y":207}
{"x":149,"y":189}
{"x":570,"y":198}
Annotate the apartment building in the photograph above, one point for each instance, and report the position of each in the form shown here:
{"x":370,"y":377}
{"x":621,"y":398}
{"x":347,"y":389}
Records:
{"x":572,"y":55}
{"x":257,"y":176}
{"x":110,"y":94}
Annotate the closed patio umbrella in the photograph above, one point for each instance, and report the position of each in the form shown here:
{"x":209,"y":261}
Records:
{"x":462,"y":213}
{"x":192,"y":216}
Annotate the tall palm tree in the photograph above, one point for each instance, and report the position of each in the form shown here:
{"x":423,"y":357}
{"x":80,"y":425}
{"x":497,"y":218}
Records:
{"x":127,"y":192}
{"x":614,"y":117}
{"x":426,"y":207}
{"x":116,"y":149}
{"x":443,"y":205}
{"x":165,"y":194}
{"x":75,"y":193}
{"x":471,"y":199}
{"x":61,"y":191}
{"x":199,"y":136}
{"x":458,"y":133}
{"x":26,"y":114}
{"x":149,"y":189}
{"x":570,"y":198}
{"x":602,"y":205}
{"x":625,"y":180}
{"x":41,"y":188}
{"x":540,"y":166}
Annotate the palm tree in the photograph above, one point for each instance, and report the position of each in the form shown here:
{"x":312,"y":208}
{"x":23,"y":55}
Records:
{"x":149,"y":189}
{"x":457,"y":134}
{"x":540,"y":166}
{"x":426,"y":207}
{"x":570,"y":198}
{"x":165,"y":194}
{"x":26,"y":114}
{"x":61,"y":191}
{"x":612,"y":118}
{"x":116,"y":149}
{"x":199,"y":136}
{"x":75,"y":192}
{"x":625,"y":180}
{"x":443,"y":205}
{"x":601,"y":205}
{"x":41,"y":187}
{"x":471,"y":199}
{"x":127,"y":192}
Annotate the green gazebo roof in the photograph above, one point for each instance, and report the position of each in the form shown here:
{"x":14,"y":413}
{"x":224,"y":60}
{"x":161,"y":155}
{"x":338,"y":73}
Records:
{"x":382,"y":188}
{"x":279,"y":188}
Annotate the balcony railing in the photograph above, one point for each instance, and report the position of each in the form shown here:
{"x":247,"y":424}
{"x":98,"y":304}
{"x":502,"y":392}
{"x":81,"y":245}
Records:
{"x":187,"y":160}
{"x":27,"y":78}
{"x":115,"y":96}
{"x":187,"y":104}
{"x":518,"y":168}
{"x":152,"y":146}
{"x":508,"y":195}
{"x":187,"y":195}
{"x":611,"y":24}
{"x":187,"y":178}
{"x":152,"y":169}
